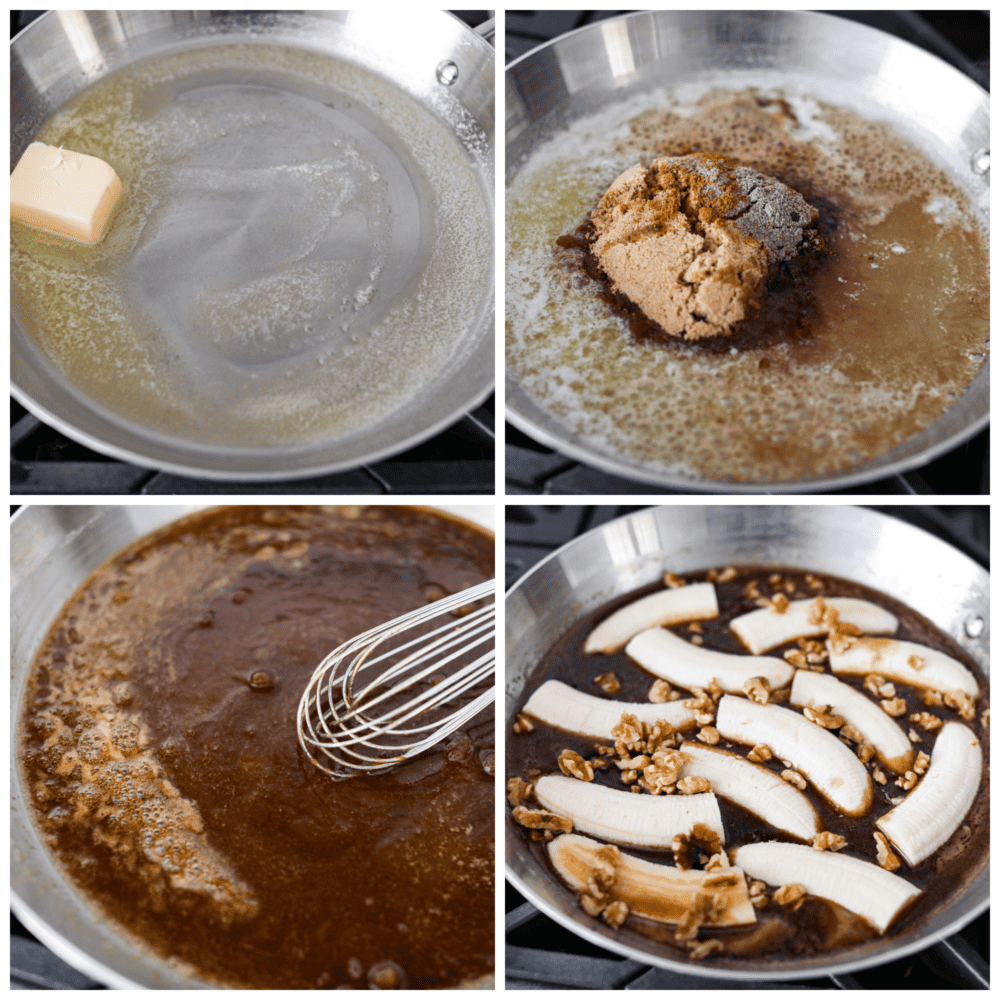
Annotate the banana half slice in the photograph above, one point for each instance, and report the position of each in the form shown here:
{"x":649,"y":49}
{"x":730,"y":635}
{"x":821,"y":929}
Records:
{"x":657,"y":892}
{"x":859,"y":886}
{"x":635,"y":820}
{"x":557,"y":704}
{"x":932,"y":812}
{"x":691,"y":603}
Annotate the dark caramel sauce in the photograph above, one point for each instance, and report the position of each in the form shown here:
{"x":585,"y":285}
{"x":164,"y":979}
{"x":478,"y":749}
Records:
{"x":819,"y":925}
{"x":196,"y":643}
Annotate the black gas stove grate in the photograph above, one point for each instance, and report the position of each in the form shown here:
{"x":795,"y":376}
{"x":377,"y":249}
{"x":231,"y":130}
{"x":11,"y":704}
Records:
{"x":961,"y":38}
{"x":541,"y":954}
{"x":459,"y":460}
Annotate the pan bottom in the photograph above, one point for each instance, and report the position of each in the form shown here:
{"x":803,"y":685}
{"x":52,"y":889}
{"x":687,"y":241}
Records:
{"x":301,"y":249}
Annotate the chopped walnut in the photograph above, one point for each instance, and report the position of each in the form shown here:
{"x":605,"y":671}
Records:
{"x":760,"y":753}
{"x":709,"y":735}
{"x":662,"y":734}
{"x":885,"y":857}
{"x":865,"y":752}
{"x":700,"y":703}
{"x":817,"y":660}
{"x":608,"y":682}
{"x":751,"y":590}
{"x":984,"y":718}
{"x":630,"y":732}
{"x":775,"y":579}
{"x":539,"y":819}
{"x":879,"y":775}
{"x":633,"y":763}
{"x":907,"y":781}
{"x":914,"y":736}
{"x":697,"y":640}
{"x":763,"y":602}
{"x":794,"y":778}
{"x":714,"y":690}
{"x":878,"y":686}
{"x":615,"y":913}
{"x":729,"y":573}
{"x":629,"y":777}
{"x":574,"y":766}
{"x":812,"y":646}
{"x":660,"y":692}
{"x":894,"y":707}
{"x":591,"y":905}
{"x":693,"y":785}
{"x":694,"y":627}
{"x":794,"y":894}
{"x":822,"y":716}
{"x":922,"y":762}
{"x":779,"y":604}
{"x":757,"y":689}
{"x":962,"y":703}
{"x":699,"y":949}
{"x":926,"y":721}
{"x":518,"y":791}
{"x":665,"y":768}
{"x":758,"y":894}
{"x":718,"y":862}
{"x":704,"y":718}
{"x":813,"y":582}
{"x":796,"y":658}
{"x":933,"y":698}
{"x":599,"y":763}
{"x":545,"y":835}
{"x":827,"y":841}
{"x":672,"y":580}
{"x":606,"y":751}
{"x":816,"y":612}
{"x":522,"y":724}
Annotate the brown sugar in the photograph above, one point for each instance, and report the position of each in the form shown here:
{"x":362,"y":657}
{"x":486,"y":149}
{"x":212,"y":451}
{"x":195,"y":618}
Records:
{"x":690,"y":239}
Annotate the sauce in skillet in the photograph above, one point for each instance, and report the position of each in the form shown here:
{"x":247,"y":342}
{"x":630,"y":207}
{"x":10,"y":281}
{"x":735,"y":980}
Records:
{"x":159,"y":749}
{"x":819,"y":926}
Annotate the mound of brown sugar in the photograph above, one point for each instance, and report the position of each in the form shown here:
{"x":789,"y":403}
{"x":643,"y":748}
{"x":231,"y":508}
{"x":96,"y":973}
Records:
{"x":689,"y":239}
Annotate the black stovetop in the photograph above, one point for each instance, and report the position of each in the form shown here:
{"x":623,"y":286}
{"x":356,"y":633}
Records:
{"x":961,"y":38}
{"x":541,"y":954}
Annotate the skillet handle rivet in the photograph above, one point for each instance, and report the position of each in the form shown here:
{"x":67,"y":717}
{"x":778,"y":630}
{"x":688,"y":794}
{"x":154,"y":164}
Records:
{"x":447,"y":73}
{"x":981,"y":161}
{"x":974,"y":627}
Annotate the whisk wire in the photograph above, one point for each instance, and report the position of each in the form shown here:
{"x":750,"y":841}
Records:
{"x":348,"y":727}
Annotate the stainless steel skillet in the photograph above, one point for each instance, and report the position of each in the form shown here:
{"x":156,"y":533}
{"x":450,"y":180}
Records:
{"x":871,"y":548}
{"x":847,"y":64}
{"x":430,"y":58}
{"x":53,"y":550}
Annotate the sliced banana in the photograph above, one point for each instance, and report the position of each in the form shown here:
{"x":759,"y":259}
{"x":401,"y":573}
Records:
{"x":658,"y":892}
{"x":906,"y":662}
{"x":859,"y":886}
{"x":757,"y":789}
{"x":664,"y":654}
{"x":892,"y":748}
{"x":827,"y":763}
{"x":765,"y":628}
{"x":625,"y":818}
{"x":694,"y":602}
{"x":932,"y":812}
{"x":565,"y":707}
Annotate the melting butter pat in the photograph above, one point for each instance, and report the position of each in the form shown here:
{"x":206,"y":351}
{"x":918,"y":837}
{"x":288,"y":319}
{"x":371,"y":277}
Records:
{"x":62,"y":192}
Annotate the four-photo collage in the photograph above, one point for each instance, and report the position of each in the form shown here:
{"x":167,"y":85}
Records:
{"x":722,"y":726}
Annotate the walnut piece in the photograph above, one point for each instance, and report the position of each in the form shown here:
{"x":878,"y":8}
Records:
{"x":885,"y":857}
{"x":827,"y":841}
{"x":522,"y":724}
{"x":699,"y":949}
{"x":879,"y":775}
{"x":539,"y":819}
{"x":633,"y":763}
{"x":926,"y":720}
{"x":518,"y":791}
{"x":907,"y":781}
{"x":922,"y":762}
{"x":672,"y":580}
{"x":822,"y":716}
{"x":629,"y":731}
{"x":757,"y":689}
{"x":695,"y":627}
{"x":574,"y":766}
{"x":608,"y":682}
{"x":615,"y":913}
{"x":793,"y":894}
{"x":709,"y":735}
{"x":760,"y":753}
{"x":729,"y":573}
{"x":758,"y":894}
{"x":962,"y":703}
{"x":794,"y":778}
{"x":591,"y":905}
{"x":796,"y":658}
{"x":894,"y":707}
{"x":779,"y":604}
{"x":878,"y":686}
{"x":914,"y":736}
{"x":661,"y":692}
{"x":932,"y":698}
{"x":694,"y":785}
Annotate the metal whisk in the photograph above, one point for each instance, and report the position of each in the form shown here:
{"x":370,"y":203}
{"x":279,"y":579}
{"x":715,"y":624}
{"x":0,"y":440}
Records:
{"x":363,"y":713}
